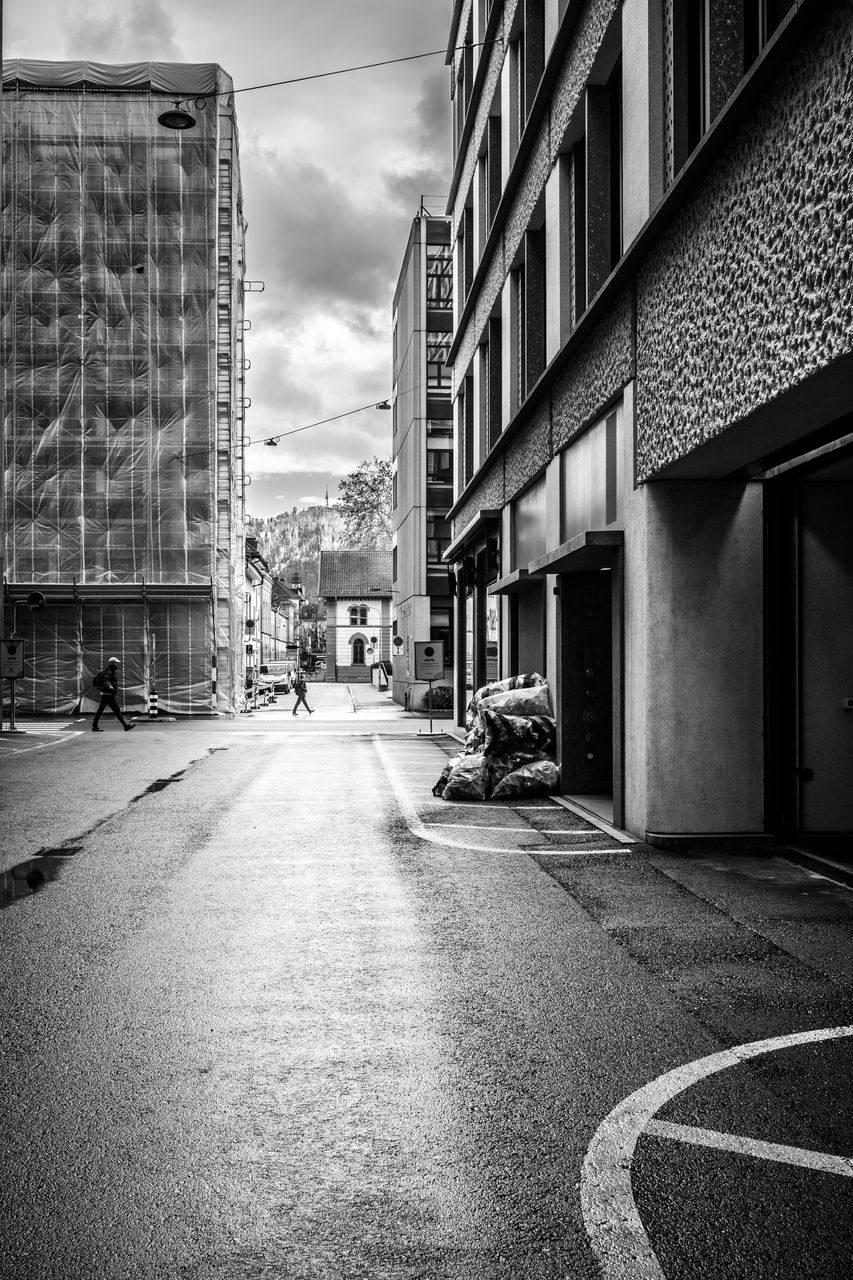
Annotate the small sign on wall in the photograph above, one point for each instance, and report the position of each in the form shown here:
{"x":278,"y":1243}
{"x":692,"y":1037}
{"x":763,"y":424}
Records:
{"x":429,"y":659}
{"x":12,"y":654}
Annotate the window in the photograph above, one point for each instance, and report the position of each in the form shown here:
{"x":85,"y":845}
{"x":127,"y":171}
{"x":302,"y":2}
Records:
{"x":439,"y":465}
{"x":760,"y":20}
{"x":358,"y":615}
{"x":438,"y":535}
{"x":394,"y":491}
{"x":438,"y":373}
{"x":579,"y":229}
{"x":689,"y":78}
{"x":439,"y":266}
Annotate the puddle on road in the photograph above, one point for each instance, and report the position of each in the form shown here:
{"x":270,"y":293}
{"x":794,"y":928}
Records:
{"x":159,"y":784}
{"x":27,"y":878}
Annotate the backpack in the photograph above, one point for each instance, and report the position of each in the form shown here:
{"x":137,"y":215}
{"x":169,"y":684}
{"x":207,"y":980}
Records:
{"x":98,"y":680}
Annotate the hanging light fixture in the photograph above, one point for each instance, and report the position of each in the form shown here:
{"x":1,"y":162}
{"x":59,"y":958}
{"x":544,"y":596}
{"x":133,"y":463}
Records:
{"x":177,"y":118}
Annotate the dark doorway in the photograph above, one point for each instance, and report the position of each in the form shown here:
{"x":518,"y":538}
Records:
{"x":585,"y":721}
{"x":809,"y":704}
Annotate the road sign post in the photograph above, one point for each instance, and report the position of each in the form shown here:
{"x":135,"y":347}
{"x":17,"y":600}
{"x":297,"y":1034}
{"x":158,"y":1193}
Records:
{"x":12,"y":655}
{"x":429,"y":666}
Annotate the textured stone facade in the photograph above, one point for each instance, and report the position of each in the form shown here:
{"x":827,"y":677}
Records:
{"x":490,"y":494}
{"x":749,"y":291}
{"x":596,"y":373}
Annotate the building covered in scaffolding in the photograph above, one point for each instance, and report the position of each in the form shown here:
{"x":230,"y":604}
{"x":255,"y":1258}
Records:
{"x":122,"y":329}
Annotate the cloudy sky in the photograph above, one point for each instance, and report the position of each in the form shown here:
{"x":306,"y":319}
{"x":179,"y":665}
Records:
{"x":333,"y":171}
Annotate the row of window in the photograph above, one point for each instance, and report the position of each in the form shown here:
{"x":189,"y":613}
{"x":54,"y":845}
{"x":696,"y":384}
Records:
{"x":589,"y":235}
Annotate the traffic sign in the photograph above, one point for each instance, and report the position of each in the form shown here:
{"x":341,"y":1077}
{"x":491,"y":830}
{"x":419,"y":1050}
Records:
{"x":429,"y":659}
{"x":12,"y":655}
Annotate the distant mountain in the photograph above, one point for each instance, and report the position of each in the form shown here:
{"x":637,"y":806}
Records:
{"x":291,"y":542}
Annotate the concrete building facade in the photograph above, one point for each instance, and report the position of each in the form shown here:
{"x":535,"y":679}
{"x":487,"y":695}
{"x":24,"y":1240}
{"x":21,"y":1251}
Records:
{"x":422,"y":450}
{"x":122,"y":285}
{"x":652,"y":357}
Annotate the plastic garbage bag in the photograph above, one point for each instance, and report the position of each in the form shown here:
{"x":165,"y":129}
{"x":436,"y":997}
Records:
{"x":536,"y":735}
{"x":538,"y":778}
{"x":474,"y":736}
{"x":441,"y":783}
{"x":470,"y":779}
{"x":532,"y":701}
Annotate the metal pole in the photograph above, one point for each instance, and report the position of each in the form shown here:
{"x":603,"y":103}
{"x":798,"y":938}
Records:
{"x":430,"y":705}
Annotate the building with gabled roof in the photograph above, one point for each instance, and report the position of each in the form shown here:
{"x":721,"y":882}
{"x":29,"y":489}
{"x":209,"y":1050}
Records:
{"x":356,"y":588}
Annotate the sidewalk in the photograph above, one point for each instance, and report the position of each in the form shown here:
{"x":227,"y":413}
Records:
{"x":727,"y":929}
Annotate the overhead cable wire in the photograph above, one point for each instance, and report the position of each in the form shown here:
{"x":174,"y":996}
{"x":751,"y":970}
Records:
{"x":340,"y":71}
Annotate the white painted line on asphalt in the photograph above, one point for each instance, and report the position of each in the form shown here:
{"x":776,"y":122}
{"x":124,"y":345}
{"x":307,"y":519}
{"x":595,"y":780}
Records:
{"x":13,"y":750}
{"x":569,"y":831}
{"x":412,"y":818}
{"x":589,"y":816}
{"x":562,"y":853}
{"x":799,"y":1156}
{"x":610,"y":1214}
{"x":477,"y":826}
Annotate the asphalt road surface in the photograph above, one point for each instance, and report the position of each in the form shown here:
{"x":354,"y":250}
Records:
{"x":271,"y":1011}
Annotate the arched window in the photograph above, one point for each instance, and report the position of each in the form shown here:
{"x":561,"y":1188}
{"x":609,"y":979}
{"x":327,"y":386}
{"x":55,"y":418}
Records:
{"x":358,"y":615}
{"x":353,"y":615}
{"x":357,"y":652}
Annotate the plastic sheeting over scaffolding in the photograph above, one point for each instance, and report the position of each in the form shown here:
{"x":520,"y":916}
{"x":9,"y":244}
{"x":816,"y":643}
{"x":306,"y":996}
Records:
{"x":122,"y":335}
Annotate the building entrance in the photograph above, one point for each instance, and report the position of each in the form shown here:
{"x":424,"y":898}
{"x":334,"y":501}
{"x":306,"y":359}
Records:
{"x":810,"y":658}
{"x":585,"y":717}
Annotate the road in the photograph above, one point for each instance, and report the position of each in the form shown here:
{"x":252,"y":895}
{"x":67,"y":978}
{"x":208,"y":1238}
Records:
{"x":272,"y":1010}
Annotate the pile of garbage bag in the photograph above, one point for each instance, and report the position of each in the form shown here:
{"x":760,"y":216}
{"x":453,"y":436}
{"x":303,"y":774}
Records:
{"x":510,"y":744}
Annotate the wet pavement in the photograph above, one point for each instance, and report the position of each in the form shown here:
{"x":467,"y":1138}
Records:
{"x":276,"y":1011}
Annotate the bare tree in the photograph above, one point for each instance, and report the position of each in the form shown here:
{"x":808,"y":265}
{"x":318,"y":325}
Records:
{"x":364,"y":501}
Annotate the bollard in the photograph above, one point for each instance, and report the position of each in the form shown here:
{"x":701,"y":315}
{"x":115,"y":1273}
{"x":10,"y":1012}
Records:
{"x":152,"y":705}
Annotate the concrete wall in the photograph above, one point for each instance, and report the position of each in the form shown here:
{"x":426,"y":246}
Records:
{"x":694,"y":659}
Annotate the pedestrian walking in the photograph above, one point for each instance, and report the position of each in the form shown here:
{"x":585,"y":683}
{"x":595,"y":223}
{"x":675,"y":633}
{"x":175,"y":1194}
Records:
{"x":301,"y":688}
{"x":106,"y":682}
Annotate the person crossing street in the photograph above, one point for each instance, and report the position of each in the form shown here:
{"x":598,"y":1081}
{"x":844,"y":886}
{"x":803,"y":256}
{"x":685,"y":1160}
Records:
{"x":106,"y":682}
{"x":301,"y":688}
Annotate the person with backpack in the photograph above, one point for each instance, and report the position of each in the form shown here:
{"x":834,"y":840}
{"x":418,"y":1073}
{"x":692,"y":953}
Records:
{"x":106,"y":682}
{"x":301,"y":688}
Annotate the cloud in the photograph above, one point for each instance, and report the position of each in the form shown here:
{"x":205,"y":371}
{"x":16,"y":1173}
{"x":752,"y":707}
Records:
{"x":140,"y":30}
{"x":320,"y":245}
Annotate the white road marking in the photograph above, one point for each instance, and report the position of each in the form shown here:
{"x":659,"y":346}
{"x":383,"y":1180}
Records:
{"x":569,"y":831}
{"x":13,"y":750}
{"x":589,"y":816}
{"x":562,"y":853}
{"x":613,"y":1224}
{"x":476,"y":826}
{"x":800,"y":1156}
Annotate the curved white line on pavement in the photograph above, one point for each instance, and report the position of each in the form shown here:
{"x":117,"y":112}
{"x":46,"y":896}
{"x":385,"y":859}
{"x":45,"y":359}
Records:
{"x":424,"y":830}
{"x":610,"y":1215}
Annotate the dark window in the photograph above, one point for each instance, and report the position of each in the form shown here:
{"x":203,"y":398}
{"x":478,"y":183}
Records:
{"x":689,"y":77}
{"x":439,"y":278}
{"x":438,"y":345}
{"x":394,"y":490}
{"x":534,"y":50}
{"x":437,"y":535}
{"x":439,"y":466}
{"x":357,"y":653}
{"x":760,"y":20}
{"x":579,"y":228}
